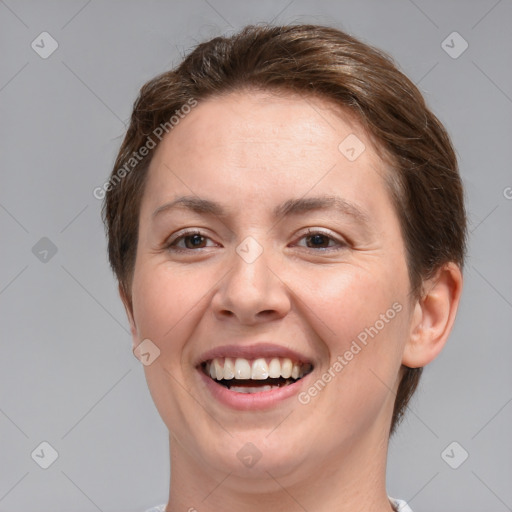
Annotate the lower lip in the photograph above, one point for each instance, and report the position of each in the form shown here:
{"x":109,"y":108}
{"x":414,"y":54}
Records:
{"x":252,"y":401}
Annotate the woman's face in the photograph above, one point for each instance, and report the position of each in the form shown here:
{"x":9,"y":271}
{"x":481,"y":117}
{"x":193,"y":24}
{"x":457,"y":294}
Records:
{"x":287,"y":256}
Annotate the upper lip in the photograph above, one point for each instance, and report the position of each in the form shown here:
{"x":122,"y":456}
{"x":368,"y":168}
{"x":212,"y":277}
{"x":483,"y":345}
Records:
{"x":253,"y":351}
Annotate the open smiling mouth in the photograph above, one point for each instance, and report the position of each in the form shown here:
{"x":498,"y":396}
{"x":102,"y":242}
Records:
{"x":255,"y":375}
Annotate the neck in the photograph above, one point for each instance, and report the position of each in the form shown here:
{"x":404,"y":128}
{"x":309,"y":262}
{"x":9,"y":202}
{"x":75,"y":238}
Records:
{"x":358,"y":482}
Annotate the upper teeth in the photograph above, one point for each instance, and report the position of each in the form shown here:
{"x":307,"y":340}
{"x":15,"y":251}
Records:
{"x":257,"y":369}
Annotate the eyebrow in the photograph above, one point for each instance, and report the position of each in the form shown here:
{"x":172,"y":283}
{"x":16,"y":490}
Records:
{"x":286,"y":209}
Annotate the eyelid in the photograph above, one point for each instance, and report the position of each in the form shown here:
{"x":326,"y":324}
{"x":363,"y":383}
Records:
{"x":327,"y":233}
{"x":180,"y":235}
{"x":177,"y":237}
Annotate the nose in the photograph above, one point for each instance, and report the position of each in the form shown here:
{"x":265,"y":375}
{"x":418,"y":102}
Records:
{"x":252,"y":292}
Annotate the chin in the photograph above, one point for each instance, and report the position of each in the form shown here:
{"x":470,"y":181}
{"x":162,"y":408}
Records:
{"x":256,"y":455}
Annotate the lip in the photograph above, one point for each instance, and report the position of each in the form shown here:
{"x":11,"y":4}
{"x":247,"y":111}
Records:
{"x":254,"y":351}
{"x":252,"y":401}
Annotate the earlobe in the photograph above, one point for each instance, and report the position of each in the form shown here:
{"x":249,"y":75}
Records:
{"x":433,"y":316}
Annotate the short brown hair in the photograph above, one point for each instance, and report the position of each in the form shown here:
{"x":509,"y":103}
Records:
{"x":323,"y":61}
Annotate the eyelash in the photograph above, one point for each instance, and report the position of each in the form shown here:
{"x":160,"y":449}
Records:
{"x":171,"y":246}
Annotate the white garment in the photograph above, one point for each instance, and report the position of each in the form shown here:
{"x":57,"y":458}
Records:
{"x":158,"y":508}
{"x":399,"y":505}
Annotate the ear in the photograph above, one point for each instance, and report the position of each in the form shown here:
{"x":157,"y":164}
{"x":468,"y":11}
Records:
{"x":129,"y":313}
{"x":433,"y":316}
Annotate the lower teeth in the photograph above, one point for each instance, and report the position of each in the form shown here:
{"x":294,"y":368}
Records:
{"x":247,"y":388}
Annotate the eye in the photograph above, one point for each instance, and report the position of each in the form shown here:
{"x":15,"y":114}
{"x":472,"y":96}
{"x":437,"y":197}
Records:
{"x":316,"y":239}
{"x":191,"y":240}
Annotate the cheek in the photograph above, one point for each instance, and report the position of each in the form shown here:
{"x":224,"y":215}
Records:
{"x":361,"y":317}
{"x":364,"y":318}
{"x":166,"y":309}
{"x":344,"y":302}
{"x":164,"y":303}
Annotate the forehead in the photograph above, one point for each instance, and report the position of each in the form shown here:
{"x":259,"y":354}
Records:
{"x":266,"y":123}
{"x":266,"y":145}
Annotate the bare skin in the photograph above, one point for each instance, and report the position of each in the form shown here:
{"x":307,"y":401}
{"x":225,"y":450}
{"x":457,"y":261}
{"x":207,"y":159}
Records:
{"x":312,"y":292}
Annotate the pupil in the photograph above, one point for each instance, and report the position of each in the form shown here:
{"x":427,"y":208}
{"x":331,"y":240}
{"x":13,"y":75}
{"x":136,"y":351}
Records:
{"x":317,"y":239}
{"x":195,"y":238}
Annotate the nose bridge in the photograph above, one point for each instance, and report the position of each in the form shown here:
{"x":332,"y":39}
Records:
{"x":251,"y":287}
{"x":250,"y":269}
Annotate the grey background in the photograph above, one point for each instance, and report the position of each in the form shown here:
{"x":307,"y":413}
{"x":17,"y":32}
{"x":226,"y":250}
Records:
{"x":67,"y":373}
